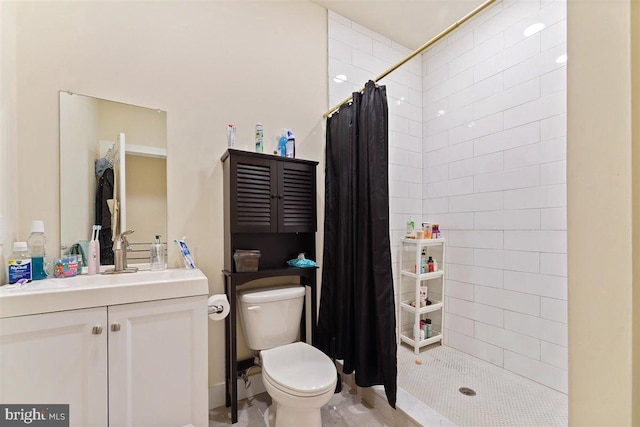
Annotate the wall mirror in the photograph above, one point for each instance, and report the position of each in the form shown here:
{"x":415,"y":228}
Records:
{"x":113,"y":173}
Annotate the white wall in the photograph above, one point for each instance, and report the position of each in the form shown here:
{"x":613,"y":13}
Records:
{"x":495,"y":181}
{"x":206,"y":64}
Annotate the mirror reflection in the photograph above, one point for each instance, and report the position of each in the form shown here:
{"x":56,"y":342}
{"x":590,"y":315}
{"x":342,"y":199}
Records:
{"x":113,"y":162}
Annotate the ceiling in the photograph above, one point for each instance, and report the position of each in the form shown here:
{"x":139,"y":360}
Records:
{"x":408,"y":22}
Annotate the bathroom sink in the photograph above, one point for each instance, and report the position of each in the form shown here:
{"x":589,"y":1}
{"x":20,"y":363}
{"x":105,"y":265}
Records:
{"x":101,"y":290}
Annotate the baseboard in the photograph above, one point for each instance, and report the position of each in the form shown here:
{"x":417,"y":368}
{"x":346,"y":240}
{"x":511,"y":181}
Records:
{"x":217,"y":391}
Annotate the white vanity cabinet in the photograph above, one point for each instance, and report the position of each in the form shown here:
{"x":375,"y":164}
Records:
{"x":138,"y":363}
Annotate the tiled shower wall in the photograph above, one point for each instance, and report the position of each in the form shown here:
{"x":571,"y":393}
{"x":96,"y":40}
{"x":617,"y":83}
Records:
{"x":357,"y":55}
{"x":492,"y":136}
{"x":494,"y":178}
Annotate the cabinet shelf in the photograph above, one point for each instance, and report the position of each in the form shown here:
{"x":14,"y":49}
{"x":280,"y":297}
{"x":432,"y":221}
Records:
{"x":435,"y":306}
{"x":423,"y":242}
{"x":424,"y":276}
{"x":406,"y":337}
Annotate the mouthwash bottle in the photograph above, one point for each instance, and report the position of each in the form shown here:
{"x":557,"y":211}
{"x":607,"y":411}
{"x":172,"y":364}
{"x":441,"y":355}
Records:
{"x":37,"y":243}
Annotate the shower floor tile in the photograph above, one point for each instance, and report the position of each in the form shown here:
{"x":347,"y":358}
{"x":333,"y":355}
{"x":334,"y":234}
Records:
{"x":502,"y":397}
{"x":343,"y":410}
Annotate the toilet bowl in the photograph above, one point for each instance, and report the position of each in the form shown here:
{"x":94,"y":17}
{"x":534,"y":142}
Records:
{"x":300,"y":380}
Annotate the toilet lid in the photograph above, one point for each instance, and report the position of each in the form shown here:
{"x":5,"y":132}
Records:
{"x":299,"y":368}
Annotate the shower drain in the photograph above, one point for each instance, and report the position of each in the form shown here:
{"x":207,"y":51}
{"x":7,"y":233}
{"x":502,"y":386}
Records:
{"x":467,"y":391}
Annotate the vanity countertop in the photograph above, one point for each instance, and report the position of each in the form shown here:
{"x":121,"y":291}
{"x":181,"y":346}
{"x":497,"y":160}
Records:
{"x":44,"y":296}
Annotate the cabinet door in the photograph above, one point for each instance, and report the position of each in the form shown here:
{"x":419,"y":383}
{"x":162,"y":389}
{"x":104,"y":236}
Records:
{"x":296,"y":197}
{"x":253,"y":195}
{"x":57,"y":358}
{"x":158,"y":363}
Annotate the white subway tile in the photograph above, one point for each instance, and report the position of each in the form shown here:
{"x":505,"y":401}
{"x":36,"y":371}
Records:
{"x":508,"y":300}
{"x":508,"y":260}
{"x":460,"y":290}
{"x":541,"y":241}
{"x":435,"y":142}
{"x":536,"y":66}
{"x":459,"y":324}
{"x":553,"y":81}
{"x":506,"y":180}
{"x":405,"y":109}
{"x":554,"y":218}
{"x":449,"y":119}
{"x":553,"y":173}
{"x":508,"y":58}
{"x":398,"y":189}
{"x":453,"y":221}
{"x":476,"y":202}
{"x":429,"y":81}
{"x":452,"y":187}
{"x":479,"y":312}
{"x":432,"y":50}
{"x":476,"y":275}
{"x":554,"y":35}
{"x":398,"y":124}
{"x":349,"y":36}
{"x":450,"y":86}
{"x":548,"y":375}
{"x":510,"y":98}
{"x":415,"y":97}
{"x":539,"y":109}
{"x":477,"y":165}
{"x":355,"y":75}
{"x":435,"y":110}
{"x":460,"y":168}
{"x":551,"y":150}
{"x":548,"y":16}
{"x":555,"y":355}
{"x":523,"y":219}
{"x":396,"y":91}
{"x":476,"y":239}
{"x":474,"y":347}
{"x":508,"y":340}
{"x":476,"y":128}
{"x":553,"y":127}
{"x":553,"y":309}
{"x":509,"y":16}
{"x":553,"y":264}
{"x":415,"y":128}
{"x":415,"y":191}
{"x":371,"y":34}
{"x":457,"y":255}
{"x":405,"y":173}
{"x":436,"y":173}
{"x":452,"y":51}
{"x":339,"y":51}
{"x":339,"y":18}
{"x":479,"y":53}
{"x":451,"y":153}
{"x":406,"y":77}
{"x":510,"y":138}
{"x":478,"y":91}
{"x":430,"y":206}
{"x":547,"y":330}
{"x":407,"y":142}
{"x":536,"y":284}
{"x":537,"y":197}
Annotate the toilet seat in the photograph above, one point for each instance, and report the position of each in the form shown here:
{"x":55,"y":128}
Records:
{"x":298,"y":369}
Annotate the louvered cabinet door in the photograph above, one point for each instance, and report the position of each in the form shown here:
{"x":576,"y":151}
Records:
{"x":296,"y":198}
{"x":253,"y":195}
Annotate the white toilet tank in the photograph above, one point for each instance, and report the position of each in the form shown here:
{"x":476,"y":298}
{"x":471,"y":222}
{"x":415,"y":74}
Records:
{"x":270,"y":317}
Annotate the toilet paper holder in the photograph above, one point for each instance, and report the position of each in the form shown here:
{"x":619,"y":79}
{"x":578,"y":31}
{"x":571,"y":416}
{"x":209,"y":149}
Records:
{"x":215,"y":309}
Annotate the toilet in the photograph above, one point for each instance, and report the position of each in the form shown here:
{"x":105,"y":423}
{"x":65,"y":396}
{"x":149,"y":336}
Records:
{"x":299,"y":378}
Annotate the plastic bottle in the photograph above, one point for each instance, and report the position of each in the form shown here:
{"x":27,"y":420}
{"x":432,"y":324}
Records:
{"x":428,"y":329}
{"x":157,"y":254}
{"x":37,"y":244}
{"x":410,"y":228}
{"x":259,"y":138}
{"x":19,"y":263}
{"x":423,"y":262}
{"x":282,"y":143}
{"x":430,"y":265}
{"x":291,"y":146}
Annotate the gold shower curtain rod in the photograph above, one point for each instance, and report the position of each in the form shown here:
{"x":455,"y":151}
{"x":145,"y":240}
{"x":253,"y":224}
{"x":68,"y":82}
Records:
{"x":416,"y":52}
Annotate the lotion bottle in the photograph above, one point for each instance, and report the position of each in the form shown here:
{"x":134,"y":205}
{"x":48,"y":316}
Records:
{"x":157,"y":254}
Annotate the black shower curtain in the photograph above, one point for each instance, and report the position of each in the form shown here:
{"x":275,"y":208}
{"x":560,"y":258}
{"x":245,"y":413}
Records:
{"x":356,"y":321}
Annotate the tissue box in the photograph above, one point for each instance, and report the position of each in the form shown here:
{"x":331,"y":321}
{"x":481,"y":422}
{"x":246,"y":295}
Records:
{"x":246,"y":260}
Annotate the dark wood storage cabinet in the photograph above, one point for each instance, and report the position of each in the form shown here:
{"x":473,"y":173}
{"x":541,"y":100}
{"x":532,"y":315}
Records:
{"x":269,"y":205}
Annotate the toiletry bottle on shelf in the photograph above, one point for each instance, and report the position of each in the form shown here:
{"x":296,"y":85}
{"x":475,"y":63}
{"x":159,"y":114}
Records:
{"x":19,"y":263}
{"x":423,"y":262}
{"x":428,"y":329}
{"x":37,"y":244}
{"x":291,"y":146}
{"x":259,"y":138}
{"x":410,"y":228}
{"x":282,"y":143}
{"x":157,"y":254}
{"x":428,"y":231}
{"x":430,"y":265}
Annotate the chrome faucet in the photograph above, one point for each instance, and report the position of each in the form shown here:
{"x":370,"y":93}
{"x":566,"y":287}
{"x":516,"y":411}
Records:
{"x":120,"y":246}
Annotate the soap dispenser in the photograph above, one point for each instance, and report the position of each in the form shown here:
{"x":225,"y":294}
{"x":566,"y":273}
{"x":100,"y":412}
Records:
{"x":157,"y":254}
